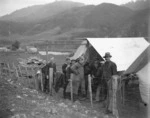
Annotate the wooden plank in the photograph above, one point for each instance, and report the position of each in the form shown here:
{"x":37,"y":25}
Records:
{"x":47,"y":54}
{"x":35,"y":80}
{"x":90,"y":90}
{"x":16,"y":71}
{"x":9,"y":70}
{"x":71,"y":87}
{"x":27,"y":76}
{"x":41,"y":78}
{"x":50,"y":80}
{"x":123,"y":92}
{"x":20,"y":70}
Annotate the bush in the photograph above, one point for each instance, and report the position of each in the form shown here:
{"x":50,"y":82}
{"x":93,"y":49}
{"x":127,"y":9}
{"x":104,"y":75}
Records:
{"x":15,"y":45}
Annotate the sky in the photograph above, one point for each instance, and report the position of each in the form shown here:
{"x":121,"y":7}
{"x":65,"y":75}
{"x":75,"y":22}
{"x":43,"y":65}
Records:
{"x":8,"y":6}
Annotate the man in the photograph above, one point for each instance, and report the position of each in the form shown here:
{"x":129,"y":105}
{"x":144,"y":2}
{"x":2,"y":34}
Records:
{"x":64,"y":66}
{"x":45,"y":74}
{"x":45,"y":71}
{"x":87,"y":71}
{"x":66,"y":72}
{"x":99,"y":91}
{"x":94,"y":70}
{"x":77,"y":71}
{"x":52,"y":64}
{"x":109,"y":69}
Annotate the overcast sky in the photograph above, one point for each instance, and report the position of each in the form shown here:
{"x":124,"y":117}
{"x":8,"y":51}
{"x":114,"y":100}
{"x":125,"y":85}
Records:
{"x":8,"y":6}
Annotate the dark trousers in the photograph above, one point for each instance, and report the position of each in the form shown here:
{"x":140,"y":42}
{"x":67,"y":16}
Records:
{"x":104,"y":89}
{"x":86,"y":84}
{"x":46,"y":84}
{"x":95,"y":84}
{"x":65,"y":87}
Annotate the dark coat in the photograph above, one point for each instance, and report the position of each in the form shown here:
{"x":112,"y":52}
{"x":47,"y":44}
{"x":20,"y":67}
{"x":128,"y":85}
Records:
{"x":64,"y":68}
{"x":87,"y":69}
{"x":66,"y":71}
{"x":52,"y":65}
{"x":94,"y":70}
{"x":45,"y":69}
{"x":109,"y":68}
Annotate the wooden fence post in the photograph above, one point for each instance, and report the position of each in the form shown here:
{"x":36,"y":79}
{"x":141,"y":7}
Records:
{"x":114,"y":95}
{"x":47,"y":55}
{"x":90,"y":90}
{"x":20,"y":70}
{"x":50,"y":80}
{"x":71,"y":87}
{"x":41,"y":78}
{"x":123,"y":92}
{"x":27,"y":76}
{"x":9,"y":70}
{"x":35,"y":80}
{"x":16,"y":71}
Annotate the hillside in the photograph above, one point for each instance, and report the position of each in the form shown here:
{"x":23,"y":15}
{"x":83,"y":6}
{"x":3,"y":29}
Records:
{"x":99,"y":19}
{"x":136,"y":26}
{"x":75,"y":21}
{"x":27,"y":20}
{"x":65,"y":21}
{"x":40,"y":12}
{"x":138,"y":5}
{"x":9,"y":27}
{"x":105,"y":17}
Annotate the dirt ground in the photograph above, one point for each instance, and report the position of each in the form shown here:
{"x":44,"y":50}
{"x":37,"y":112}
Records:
{"x":18,"y":101}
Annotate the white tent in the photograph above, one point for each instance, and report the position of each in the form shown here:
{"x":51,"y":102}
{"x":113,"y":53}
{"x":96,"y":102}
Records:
{"x":141,"y":66}
{"x":80,"y":51}
{"x":144,"y":83}
{"x":124,"y":51}
{"x":131,"y":56}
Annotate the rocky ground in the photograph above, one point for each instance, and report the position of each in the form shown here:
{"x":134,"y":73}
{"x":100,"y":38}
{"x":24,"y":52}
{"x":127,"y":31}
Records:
{"x":17,"y":101}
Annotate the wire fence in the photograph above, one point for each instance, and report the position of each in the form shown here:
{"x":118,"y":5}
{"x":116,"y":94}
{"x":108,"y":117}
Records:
{"x":29,"y":74}
{"x":126,"y":96}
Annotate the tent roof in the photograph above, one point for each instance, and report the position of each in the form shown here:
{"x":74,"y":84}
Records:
{"x":139,"y":63}
{"x":124,"y":51}
{"x":80,"y":51}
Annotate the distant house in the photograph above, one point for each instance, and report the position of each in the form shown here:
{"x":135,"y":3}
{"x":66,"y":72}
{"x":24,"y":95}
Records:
{"x":31,"y":49}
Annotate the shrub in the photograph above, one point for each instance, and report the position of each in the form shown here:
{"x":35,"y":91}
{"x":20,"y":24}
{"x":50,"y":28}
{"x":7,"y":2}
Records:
{"x":15,"y":45}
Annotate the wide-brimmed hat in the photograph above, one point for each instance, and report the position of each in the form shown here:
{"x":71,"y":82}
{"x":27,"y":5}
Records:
{"x":107,"y":54}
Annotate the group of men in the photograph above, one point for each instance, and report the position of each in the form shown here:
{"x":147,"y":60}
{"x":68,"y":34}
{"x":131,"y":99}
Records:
{"x":101,"y":73}
{"x":78,"y":71}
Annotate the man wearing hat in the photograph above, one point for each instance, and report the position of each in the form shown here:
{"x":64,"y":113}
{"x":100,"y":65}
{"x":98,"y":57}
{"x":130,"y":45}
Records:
{"x":109,"y":69}
{"x":66,"y":72}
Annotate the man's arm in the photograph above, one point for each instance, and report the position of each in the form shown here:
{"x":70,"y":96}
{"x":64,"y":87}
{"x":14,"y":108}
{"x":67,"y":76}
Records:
{"x":74,"y":69}
{"x":114,"y":69}
{"x":64,"y":68}
{"x":54,"y":66}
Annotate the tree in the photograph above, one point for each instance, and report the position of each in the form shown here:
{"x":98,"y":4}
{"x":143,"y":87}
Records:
{"x":15,"y":45}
